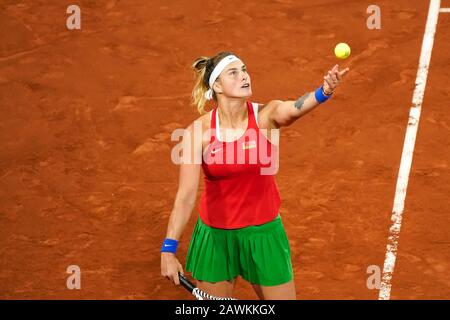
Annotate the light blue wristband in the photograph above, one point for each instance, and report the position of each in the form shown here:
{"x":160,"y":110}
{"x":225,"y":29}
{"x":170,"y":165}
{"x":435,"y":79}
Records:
{"x":320,"y":96}
{"x":169,"y":245}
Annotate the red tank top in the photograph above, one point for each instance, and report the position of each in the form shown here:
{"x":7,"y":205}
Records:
{"x":240,"y":187}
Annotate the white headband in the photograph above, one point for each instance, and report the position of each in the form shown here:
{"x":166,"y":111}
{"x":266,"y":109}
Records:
{"x":217,"y":71}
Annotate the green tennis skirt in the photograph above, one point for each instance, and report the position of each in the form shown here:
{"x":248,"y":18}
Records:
{"x":259,"y":254}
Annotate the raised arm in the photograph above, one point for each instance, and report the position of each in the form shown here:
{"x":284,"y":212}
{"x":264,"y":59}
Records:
{"x":284,"y":113}
{"x":183,"y":205}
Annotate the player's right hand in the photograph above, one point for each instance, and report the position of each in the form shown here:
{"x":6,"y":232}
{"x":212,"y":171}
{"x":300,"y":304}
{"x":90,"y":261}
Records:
{"x":170,"y":266}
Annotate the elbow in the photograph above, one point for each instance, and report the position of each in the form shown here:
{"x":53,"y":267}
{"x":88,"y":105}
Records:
{"x":289,"y":118}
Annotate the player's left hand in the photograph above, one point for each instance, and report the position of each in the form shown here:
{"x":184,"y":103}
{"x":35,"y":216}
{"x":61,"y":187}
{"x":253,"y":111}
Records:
{"x":333,"y":79}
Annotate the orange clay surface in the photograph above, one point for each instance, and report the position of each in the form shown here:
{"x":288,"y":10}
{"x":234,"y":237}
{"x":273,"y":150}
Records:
{"x":86,"y":176}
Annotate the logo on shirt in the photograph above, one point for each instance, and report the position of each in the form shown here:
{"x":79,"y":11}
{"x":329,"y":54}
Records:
{"x":249,"y":144}
{"x":216,"y":150}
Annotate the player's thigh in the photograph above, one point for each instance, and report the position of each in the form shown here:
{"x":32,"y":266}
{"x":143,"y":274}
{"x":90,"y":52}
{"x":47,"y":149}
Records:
{"x":220,"y":288}
{"x":258,"y":291}
{"x":285,"y":291}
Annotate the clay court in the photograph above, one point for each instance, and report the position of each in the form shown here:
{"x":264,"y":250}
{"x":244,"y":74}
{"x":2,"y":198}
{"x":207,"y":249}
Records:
{"x":86,"y":176}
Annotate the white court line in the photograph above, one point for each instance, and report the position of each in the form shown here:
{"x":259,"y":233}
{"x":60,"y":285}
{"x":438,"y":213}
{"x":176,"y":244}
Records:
{"x":444,"y":10}
{"x":408,"y":149}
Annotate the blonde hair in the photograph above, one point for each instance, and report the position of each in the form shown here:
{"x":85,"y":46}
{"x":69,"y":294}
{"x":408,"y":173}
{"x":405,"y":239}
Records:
{"x":203,"y":67}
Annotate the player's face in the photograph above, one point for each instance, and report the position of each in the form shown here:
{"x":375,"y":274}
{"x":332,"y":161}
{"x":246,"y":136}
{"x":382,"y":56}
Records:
{"x":235,"y":81}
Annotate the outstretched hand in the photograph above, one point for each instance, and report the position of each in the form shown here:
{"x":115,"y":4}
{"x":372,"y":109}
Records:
{"x":333,"y":79}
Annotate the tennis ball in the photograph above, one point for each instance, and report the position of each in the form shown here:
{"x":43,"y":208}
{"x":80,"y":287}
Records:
{"x":342,"y":50}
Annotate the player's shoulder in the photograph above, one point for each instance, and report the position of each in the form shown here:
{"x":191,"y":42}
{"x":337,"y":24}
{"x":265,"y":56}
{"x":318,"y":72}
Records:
{"x":200,"y":124}
{"x":264,"y":114}
{"x":198,"y":128}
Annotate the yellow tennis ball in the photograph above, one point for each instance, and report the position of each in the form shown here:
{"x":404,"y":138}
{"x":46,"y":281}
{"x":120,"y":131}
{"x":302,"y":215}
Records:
{"x":342,"y":50}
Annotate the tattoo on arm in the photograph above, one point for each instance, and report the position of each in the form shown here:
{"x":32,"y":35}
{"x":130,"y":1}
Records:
{"x":299,"y":103}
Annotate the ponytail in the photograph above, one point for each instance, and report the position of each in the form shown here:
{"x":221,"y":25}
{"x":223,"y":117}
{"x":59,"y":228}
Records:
{"x":198,"y":93}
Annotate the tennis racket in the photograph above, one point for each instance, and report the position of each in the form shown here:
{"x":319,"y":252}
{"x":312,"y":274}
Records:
{"x":196,"y":292}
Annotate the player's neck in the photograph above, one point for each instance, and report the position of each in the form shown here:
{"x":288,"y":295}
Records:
{"x":232,"y":113}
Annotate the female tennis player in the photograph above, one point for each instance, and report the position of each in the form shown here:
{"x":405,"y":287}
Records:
{"x":239,"y":230}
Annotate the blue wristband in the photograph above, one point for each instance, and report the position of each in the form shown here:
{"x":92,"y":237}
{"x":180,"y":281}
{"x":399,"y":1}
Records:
{"x":169,"y":245}
{"x":320,"y":97}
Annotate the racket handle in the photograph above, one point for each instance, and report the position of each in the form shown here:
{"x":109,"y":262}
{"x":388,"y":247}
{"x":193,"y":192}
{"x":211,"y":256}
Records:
{"x":186,"y":283}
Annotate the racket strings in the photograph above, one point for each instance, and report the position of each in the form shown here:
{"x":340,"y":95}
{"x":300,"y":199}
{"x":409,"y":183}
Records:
{"x":201,"y":295}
